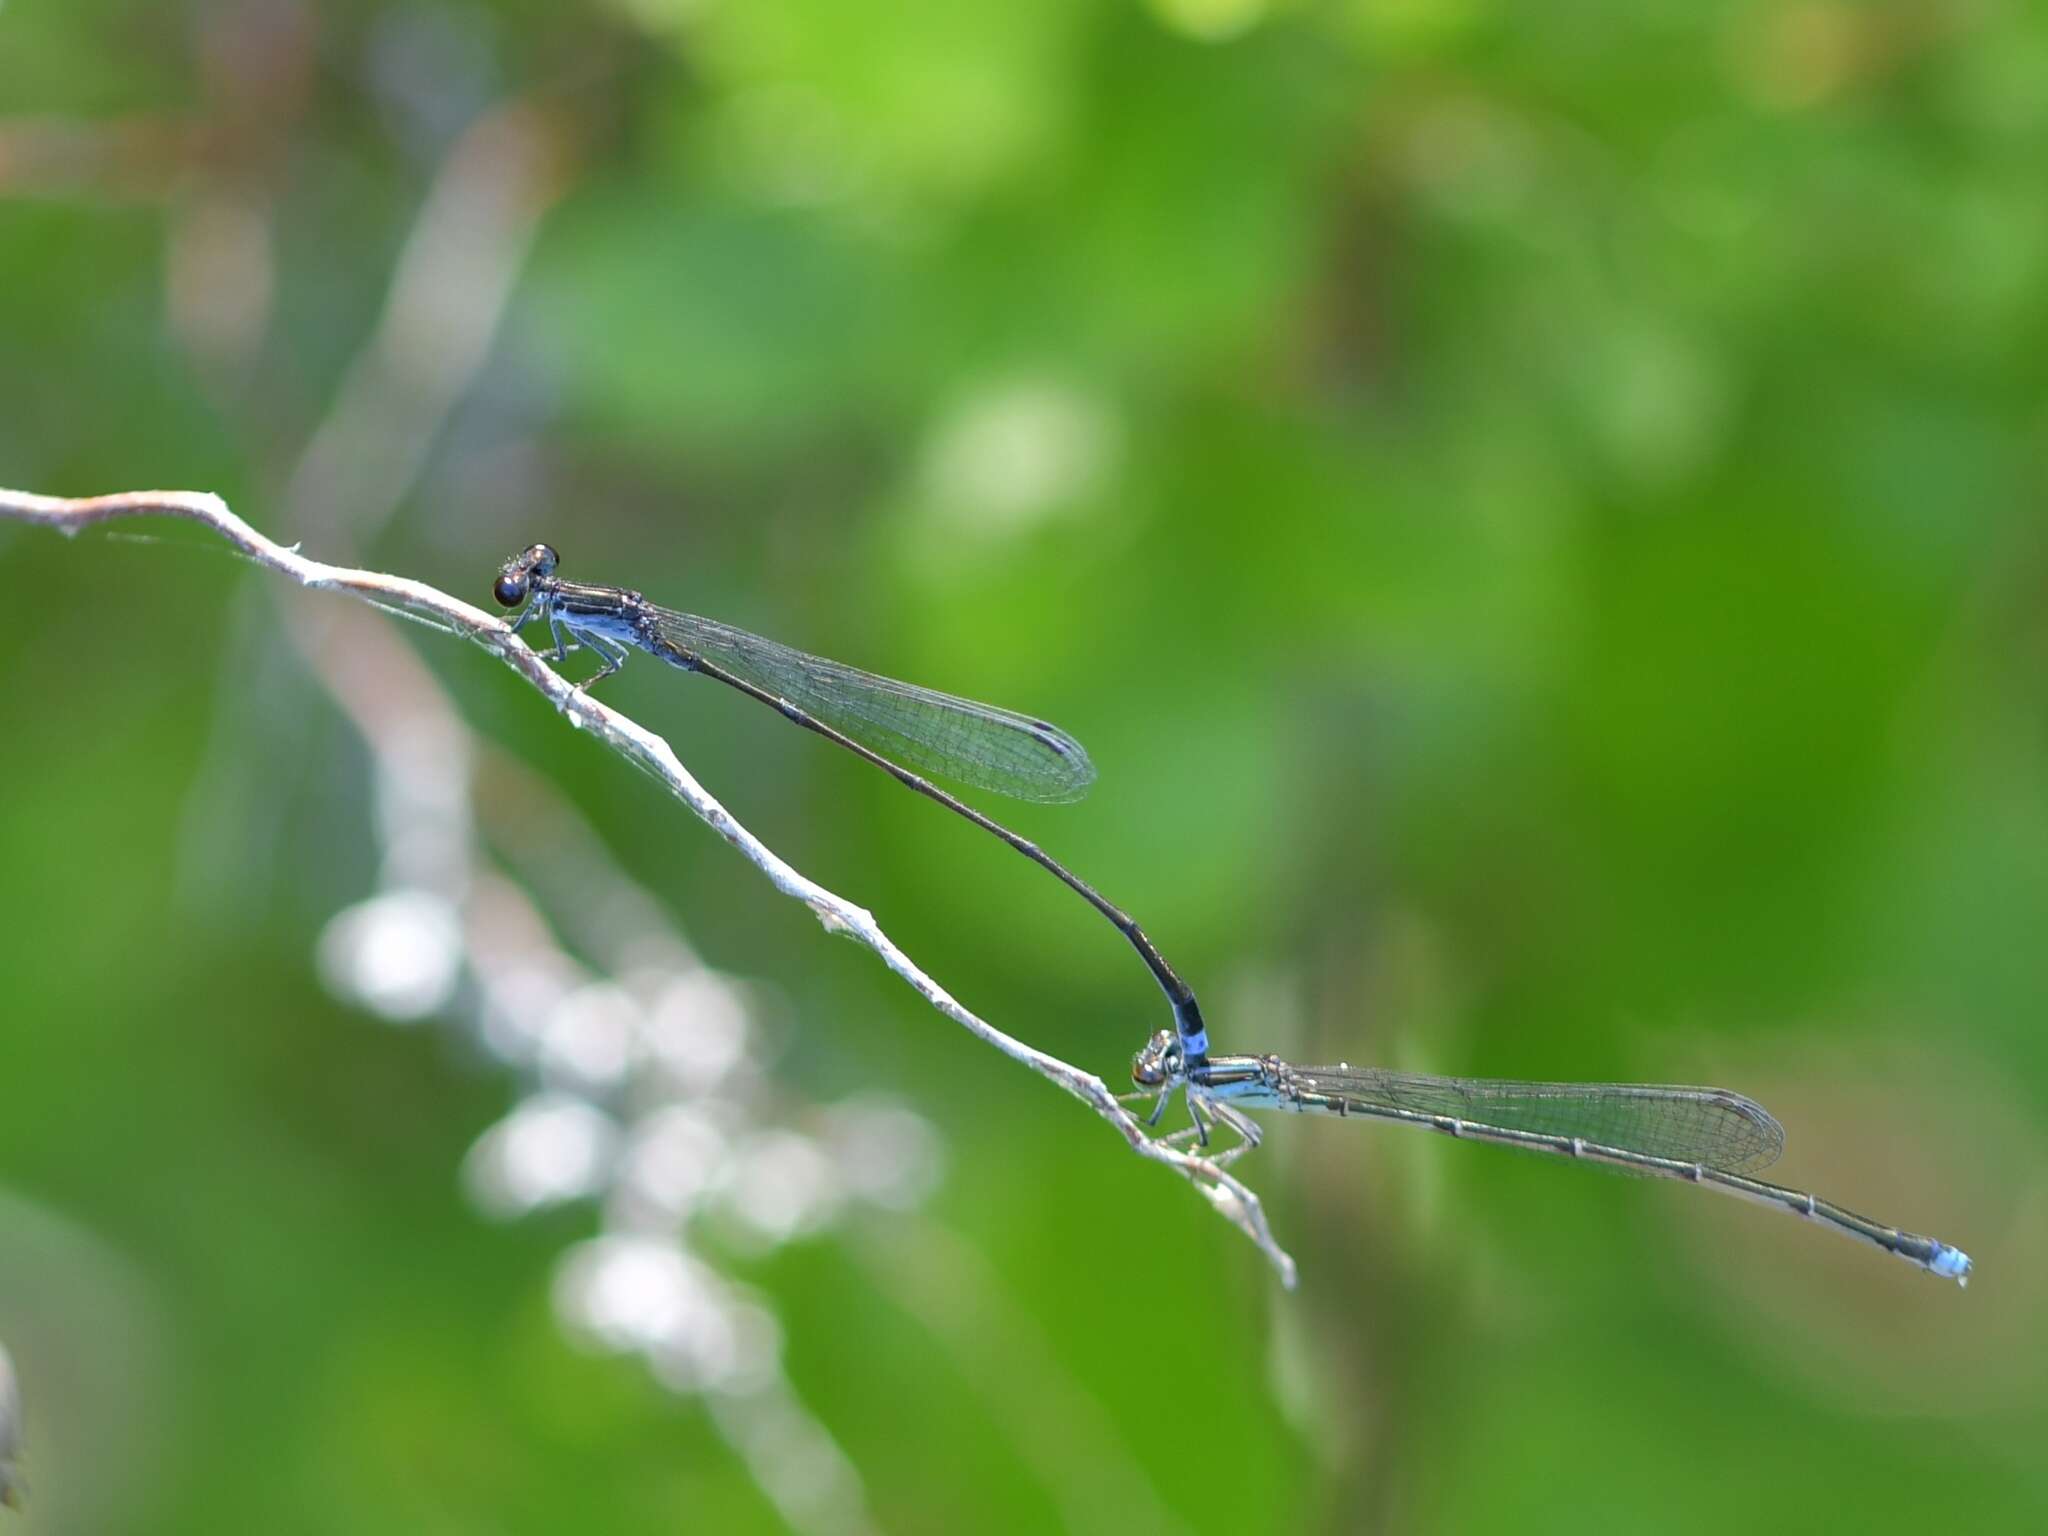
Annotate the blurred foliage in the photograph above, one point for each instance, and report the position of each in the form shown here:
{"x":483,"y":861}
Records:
{"x":1537,"y":513}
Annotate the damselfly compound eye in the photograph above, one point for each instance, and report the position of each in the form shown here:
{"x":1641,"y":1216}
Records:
{"x":510,"y":591}
{"x":1152,"y":1065}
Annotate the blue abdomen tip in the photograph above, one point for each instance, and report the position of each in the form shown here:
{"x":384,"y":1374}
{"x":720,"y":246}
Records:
{"x":1952,"y":1264}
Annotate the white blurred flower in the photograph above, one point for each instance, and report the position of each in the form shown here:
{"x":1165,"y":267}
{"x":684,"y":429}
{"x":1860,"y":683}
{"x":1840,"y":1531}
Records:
{"x":551,"y":1148}
{"x":783,"y":1184}
{"x":673,"y":1158}
{"x":587,"y":1042}
{"x":398,"y":955}
{"x":628,"y":1293}
{"x":1015,"y":453}
{"x":737,"y":1348}
{"x":883,"y":1152}
{"x":696,"y":1029}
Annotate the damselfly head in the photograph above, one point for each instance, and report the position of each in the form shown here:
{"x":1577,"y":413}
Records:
{"x":1157,"y":1062}
{"x":516,"y":579}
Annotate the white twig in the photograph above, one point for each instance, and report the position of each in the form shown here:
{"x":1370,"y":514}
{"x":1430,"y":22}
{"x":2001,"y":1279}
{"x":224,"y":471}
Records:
{"x":638,"y":745}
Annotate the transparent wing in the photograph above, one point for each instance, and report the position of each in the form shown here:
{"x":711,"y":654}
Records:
{"x":1689,"y":1125}
{"x":931,"y":732}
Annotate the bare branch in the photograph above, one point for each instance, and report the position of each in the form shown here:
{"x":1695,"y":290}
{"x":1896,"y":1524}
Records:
{"x":651,"y":752}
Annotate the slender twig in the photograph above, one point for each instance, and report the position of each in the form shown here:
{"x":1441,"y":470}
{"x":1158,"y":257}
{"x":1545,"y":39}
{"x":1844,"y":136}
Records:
{"x":651,"y":752}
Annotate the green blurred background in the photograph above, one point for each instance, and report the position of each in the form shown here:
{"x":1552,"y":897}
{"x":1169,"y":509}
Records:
{"x":1536,"y":511}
